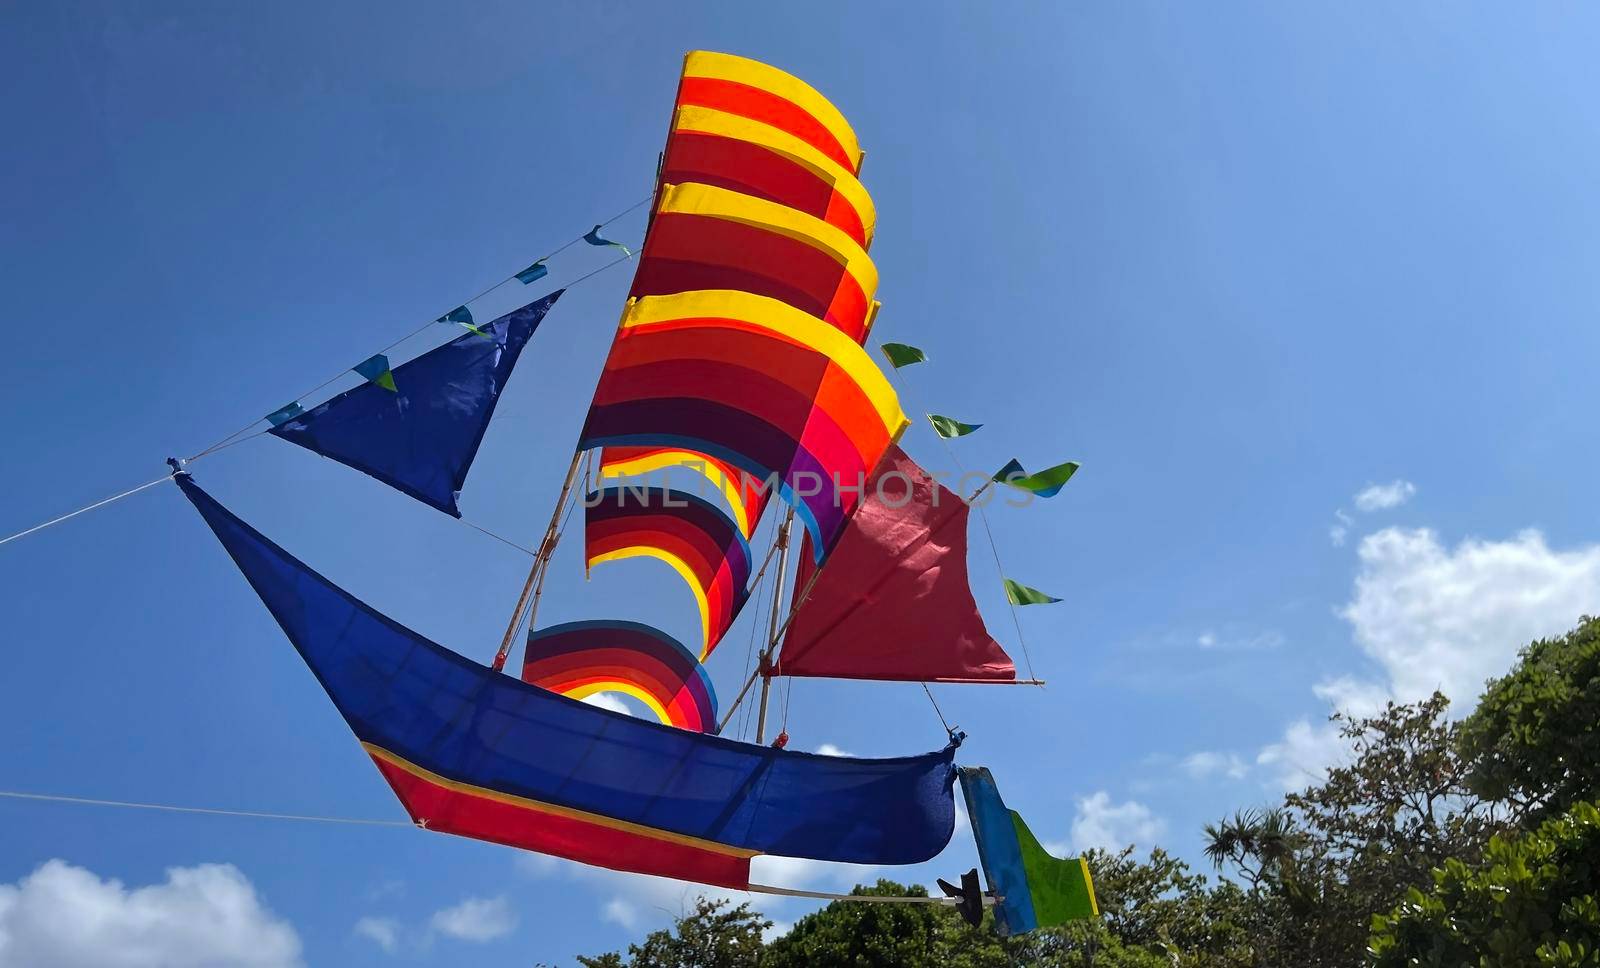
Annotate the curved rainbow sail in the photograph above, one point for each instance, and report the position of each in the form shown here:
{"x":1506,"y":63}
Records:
{"x":690,"y":534}
{"x":579,"y":659}
{"x":739,"y":356}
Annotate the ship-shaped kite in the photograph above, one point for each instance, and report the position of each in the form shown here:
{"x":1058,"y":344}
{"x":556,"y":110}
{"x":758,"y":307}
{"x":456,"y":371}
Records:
{"x":739,"y":357}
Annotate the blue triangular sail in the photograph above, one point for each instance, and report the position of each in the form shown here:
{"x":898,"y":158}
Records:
{"x":420,"y":437}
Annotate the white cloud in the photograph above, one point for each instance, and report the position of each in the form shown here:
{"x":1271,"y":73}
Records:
{"x":1208,"y":763}
{"x":1435,"y":617}
{"x":476,"y":919}
{"x":606,"y":700}
{"x":828,"y":749}
{"x":207,"y":916}
{"x":383,"y":932}
{"x":1207,"y":640}
{"x":1113,"y":826}
{"x":1381,"y":497}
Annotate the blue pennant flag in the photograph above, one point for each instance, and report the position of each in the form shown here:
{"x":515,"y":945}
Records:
{"x":283,"y":415}
{"x":593,"y":238}
{"x":533,"y":273}
{"x":419,"y":432}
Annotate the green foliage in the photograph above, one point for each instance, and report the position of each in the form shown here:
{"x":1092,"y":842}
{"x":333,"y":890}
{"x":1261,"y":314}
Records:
{"x":1532,"y":902}
{"x":886,"y":936}
{"x":1439,"y":844}
{"x":1534,"y":740}
{"x":715,"y":935}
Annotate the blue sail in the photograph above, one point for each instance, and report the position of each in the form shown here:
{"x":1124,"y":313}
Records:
{"x":473,"y":752}
{"x":419,"y":437}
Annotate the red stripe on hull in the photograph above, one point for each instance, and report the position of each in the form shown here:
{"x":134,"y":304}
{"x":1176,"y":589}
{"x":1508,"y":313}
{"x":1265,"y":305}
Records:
{"x":455,"y":811}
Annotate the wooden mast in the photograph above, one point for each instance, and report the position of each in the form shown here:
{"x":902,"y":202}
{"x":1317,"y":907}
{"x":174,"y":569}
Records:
{"x":764,"y":668}
{"x":534,"y":586}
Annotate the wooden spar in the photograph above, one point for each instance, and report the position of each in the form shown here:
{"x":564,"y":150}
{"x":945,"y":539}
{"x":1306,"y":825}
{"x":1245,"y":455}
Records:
{"x":989,"y":900}
{"x":534,"y":586}
{"x":764,"y":668}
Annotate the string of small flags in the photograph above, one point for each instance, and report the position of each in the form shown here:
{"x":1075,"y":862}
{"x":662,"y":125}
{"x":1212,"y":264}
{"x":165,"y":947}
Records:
{"x":376,"y":370}
{"x":1046,"y":483}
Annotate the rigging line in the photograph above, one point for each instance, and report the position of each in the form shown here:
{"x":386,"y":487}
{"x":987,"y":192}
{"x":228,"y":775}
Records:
{"x":994,"y":549}
{"x":1000,"y":570}
{"x":171,"y":808}
{"x":86,"y":509}
{"x":503,"y":540}
{"x":433,"y":322}
{"x":937,"y":711}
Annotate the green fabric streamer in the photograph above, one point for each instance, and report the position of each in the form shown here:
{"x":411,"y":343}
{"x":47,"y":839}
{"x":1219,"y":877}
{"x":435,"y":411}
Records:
{"x":533,"y":273}
{"x":1046,"y":483}
{"x":1020,"y":594}
{"x":903,"y":354}
{"x":1061,"y":889}
{"x":950,"y":427}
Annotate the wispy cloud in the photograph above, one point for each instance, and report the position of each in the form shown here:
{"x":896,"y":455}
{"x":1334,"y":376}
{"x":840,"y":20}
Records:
{"x":383,"y":932}
{"x":1381,"y":497}
{"x":1341,"y":529}
{"x":1235,"y":641}
{"x":475,"y":919}
{"x":828,"y":749}
{"x":1209,"y":763}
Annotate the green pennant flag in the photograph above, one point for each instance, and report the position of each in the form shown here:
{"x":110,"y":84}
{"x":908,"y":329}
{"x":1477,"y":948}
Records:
{"x":1046,"y":483}
{"x":532,"y":273}
{"x":376,"y":370}
{"x":1020,"y":594}
{"x":462,"y":316}
{"x":903,"y":354}
{"x":950,"y":427}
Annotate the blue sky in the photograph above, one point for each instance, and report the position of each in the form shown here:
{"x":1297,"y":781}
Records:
{"x":1244,"y":262}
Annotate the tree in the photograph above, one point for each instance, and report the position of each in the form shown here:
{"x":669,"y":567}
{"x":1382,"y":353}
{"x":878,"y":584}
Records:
{"x":715,"y":935}
{"x":1259,"y":844}
{"x":1532,"y":902}
{"x":1534,"y":740}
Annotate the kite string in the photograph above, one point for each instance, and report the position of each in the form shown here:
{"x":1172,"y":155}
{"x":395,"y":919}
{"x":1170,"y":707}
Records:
{"x":172,"y":808}
{"x":86,"y":508}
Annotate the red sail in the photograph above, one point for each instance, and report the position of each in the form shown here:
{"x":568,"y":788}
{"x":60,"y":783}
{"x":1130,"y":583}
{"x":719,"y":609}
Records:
{"x":892,"y":600}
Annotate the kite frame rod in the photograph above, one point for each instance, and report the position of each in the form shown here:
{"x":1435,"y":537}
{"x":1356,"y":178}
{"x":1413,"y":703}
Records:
{"x":763,"y":668}
{"x":534,"y":586}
